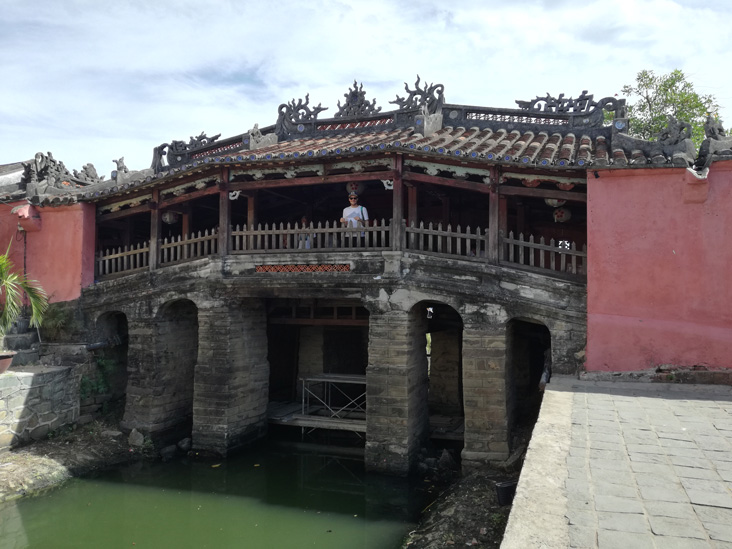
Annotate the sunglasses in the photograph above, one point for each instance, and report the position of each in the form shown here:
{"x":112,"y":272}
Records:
{"x":352,"y":198}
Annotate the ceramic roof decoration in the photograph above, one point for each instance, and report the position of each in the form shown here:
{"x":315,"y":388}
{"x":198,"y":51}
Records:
{"x":547,"y":133}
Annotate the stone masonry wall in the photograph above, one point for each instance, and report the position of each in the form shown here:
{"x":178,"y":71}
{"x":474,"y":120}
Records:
{"x":484,"y":393}
{"x":35,"y":402}
{"x":387,"y":394}
{"x":397,"y":422}
{"x":311,"y":354}
{"x":231,"y":387}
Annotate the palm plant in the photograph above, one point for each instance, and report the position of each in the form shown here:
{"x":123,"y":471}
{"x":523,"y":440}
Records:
{"x":13,"y":287}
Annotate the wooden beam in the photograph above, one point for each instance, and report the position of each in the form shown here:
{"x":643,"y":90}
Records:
{"x":142,"y":208}
{"x":314,"y":180}
{"x":447,"y":182}
{"x":189,"y":196}
{"x":541,"y":193}
{"x":162,"y":186}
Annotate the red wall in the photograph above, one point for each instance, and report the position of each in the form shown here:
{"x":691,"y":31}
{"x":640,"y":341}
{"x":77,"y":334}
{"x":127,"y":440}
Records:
{"x":659,"y":283}
{"x":61,"y":254}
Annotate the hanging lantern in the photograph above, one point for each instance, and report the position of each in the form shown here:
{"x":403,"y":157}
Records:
{"x":554,"y":202}
{"x":355,"y":186}
{"x":530,"y":182}
{"x":565,"y":186}
{"x":562,"y":215}
{"x":169,"y":217}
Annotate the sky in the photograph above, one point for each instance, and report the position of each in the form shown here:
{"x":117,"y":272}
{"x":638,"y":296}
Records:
{"x":92,"y":81}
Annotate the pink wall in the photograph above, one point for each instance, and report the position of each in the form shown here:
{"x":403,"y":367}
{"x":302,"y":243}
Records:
{"x":59,"y":249}
{"x":659,"y":284}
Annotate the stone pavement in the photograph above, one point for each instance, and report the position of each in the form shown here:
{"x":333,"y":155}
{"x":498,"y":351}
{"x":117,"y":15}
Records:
{"x":622,"y":464}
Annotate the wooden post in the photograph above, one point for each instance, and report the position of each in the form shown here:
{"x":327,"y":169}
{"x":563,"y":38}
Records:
{"x":493,"y":218}
{"x":252,"y":209}
{"x":397,"y":212}
{"x":224,"y":214}
{"x":155,"y":230}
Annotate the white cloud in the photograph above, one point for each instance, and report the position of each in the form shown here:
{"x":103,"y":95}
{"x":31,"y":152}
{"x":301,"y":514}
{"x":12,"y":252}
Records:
{"x":94,"y":81}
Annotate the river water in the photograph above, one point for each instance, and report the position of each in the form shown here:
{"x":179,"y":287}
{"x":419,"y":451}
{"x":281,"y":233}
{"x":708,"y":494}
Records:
{"x":271,"y":497}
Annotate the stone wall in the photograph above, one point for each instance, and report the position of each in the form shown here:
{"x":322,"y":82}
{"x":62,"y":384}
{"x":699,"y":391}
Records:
{"x":444,"y":394}
{"x":231,"y":388}
{"x":35,"y":402}
{"x":310,"y":361}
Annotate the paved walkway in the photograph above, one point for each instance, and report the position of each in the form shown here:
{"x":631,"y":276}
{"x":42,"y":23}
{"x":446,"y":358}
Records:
{"x":627,"y":465}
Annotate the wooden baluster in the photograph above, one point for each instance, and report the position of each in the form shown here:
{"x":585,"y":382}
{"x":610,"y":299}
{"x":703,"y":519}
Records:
{"x":531,"y":250}
{"x":553,"y":256}
{"x":511,"y":247}
{"x":521,"y":249}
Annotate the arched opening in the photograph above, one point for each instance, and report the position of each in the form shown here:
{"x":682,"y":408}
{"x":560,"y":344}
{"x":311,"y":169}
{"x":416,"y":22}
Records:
{"x":176,"y":356}
{"x":317,"y":354}
{"x":528,"y":347}
{"x":442,"y":334}
{"x":109,"y":379}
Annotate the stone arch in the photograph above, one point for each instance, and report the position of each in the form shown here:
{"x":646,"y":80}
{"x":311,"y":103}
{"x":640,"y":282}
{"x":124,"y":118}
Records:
{"x":111,"y":353}
{"x":440,"y":327}
{"x":175,"y":337}
{"x":528,"y":347}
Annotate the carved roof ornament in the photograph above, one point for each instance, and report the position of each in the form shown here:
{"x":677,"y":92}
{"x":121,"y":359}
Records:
{"x":257,"y":140}
{"x":44,"y":175}
{"x":194,"y":143}
{"x":675,"y":132}
{"x":431,"y":96}
{"x":356,"y":104}
{"x":584,"y":104}
{"x":291,"y":115}
{"x":717,"y":143}
{"x":175,"y":153}
{"x":713,"y":128}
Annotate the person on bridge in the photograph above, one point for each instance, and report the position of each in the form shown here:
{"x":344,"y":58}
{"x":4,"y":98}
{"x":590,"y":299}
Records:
{"x":354,"y":215}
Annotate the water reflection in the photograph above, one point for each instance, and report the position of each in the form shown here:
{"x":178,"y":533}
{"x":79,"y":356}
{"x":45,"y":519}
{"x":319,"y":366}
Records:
{"x":265,"y":498}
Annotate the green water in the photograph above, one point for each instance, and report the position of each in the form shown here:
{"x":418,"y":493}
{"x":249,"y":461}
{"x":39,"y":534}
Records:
{"x":262,"y":499}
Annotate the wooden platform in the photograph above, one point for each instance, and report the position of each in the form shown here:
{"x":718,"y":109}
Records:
{"x":290,"y":414}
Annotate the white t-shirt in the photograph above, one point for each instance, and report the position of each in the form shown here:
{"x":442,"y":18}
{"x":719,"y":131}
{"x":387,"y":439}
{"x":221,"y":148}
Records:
{"x":350,"y":214}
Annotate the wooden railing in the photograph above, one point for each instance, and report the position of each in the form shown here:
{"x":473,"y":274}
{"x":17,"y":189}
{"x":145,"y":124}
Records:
{"x":123,"y":260}
{"x":539,"y":255}
{"x":312,"y":238}
{"x":435,"y":240}
{"x":556,"y":255}
{"x":184,"y":248}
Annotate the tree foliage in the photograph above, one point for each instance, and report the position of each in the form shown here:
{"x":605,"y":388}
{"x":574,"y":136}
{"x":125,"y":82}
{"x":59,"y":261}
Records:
{"x":13,"y":287}
{"x":658,"y":96}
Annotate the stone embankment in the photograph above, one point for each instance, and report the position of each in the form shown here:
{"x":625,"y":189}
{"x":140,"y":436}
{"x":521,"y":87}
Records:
{"x":61,"y":455}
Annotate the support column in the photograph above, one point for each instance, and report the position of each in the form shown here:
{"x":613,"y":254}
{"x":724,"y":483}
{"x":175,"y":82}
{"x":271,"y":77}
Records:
{"x":224,"y":214}
{"x":484,"y":393}
{"x":397,"y":212}
{"x":397,"y":419}
{"x":252,"y":209}
{"x":155,"y":230}
{"x":231,"y":384}
{"x":141,"y":393}
{"x":495,"y":216}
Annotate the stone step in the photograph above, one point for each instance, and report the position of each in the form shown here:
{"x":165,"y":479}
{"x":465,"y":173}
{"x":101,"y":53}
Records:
{"x":24,"y":357}
{"x":16,"y":342}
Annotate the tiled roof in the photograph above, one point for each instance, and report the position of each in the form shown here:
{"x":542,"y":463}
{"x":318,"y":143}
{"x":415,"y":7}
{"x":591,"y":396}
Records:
{"x":545,"y":133}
